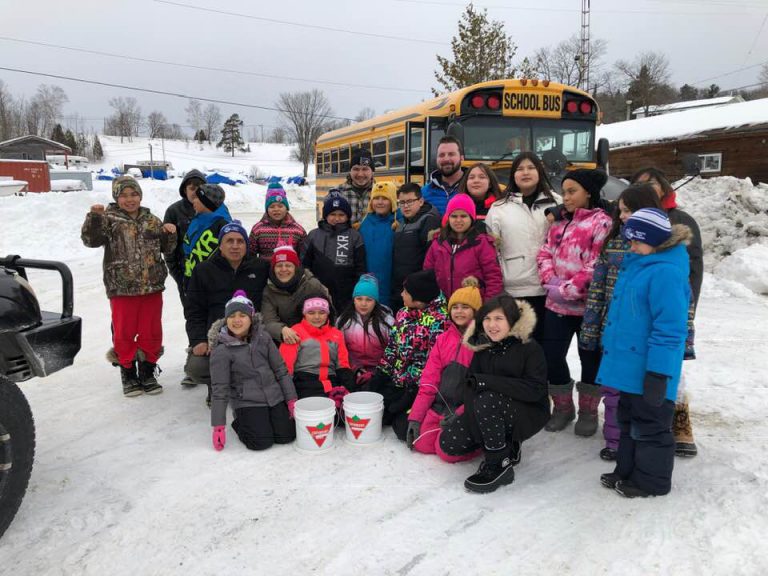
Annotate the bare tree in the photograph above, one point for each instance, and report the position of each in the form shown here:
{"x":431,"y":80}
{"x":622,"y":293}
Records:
{"x":156,"y":124}
{"x":7,"y":107}
{"x":48,"y":103}
{"x":194,"y":112}
{"x":174,"y":132}
{"x":365,"y":114}
{"x":126,"y":120}
{"x":33,"y":117}
{"x":560,"y":63}
{"x":211,"y":119}
{"x":306,"y":115}
{"x":647,"y":77}
{"x":763,"y":78}
{"x":278,"y":135}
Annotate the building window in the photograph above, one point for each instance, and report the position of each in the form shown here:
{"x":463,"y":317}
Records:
{"x":711,"y":162}
{"x":379,"y":153}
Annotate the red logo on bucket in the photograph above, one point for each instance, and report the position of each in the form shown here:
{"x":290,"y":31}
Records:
{"x":319,"y":433}
{"x":357,"y":425}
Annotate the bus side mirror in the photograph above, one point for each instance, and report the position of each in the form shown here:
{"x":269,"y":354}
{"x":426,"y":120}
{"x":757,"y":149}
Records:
{"x":691,"y":164}
{"x":602,"y":153}
{"x":456,"y":129}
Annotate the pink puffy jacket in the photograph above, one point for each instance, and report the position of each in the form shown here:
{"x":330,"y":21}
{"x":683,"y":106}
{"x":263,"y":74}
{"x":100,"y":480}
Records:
{"x":475,"y":256}
{"x":570,"y":252}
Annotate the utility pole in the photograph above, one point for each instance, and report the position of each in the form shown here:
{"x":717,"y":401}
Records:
{"x":262,"y":133}
{"x":584,"y":47}
{"x":151,"y":167}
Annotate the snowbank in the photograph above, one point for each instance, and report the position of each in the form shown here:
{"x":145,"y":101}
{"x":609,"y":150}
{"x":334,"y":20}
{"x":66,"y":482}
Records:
{"x":732,"y":214}
{"x":749,"y":266}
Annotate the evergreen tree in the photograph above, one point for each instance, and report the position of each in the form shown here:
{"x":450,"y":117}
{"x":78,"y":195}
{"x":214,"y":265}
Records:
{"x":83,"y":146}
{"x":482,"y":51}
{"x":98,"y":153}
{"x":230,"y":135}
{"x":71,"y":141}
{"x":688,"y":92}
{"x":57,"y":135}
{"x":200,"y":137}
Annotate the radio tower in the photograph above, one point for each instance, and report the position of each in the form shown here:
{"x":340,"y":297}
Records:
{"x":584,"y":48}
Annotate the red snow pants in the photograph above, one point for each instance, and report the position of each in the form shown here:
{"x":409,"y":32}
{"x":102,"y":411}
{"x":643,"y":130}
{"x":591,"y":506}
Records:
{"x":137,"y":324}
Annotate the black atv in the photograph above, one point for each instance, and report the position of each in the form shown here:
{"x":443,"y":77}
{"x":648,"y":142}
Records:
{"x":32,"y":343}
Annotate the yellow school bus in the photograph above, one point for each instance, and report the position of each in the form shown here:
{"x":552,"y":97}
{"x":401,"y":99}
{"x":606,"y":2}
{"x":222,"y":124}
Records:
{"x":494,"y":120}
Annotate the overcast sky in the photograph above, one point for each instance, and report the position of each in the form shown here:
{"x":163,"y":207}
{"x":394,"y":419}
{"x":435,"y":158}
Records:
{"x":390,"y":67}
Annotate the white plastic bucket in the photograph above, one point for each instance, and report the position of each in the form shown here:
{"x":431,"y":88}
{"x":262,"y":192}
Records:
{"x":314,"y":424}
{"x":363,"y":412}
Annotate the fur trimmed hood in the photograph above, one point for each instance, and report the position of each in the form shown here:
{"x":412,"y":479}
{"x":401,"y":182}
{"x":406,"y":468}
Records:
{"x":218,"y":330}
{"x":522,"y":329}
{"x":681,"y":234}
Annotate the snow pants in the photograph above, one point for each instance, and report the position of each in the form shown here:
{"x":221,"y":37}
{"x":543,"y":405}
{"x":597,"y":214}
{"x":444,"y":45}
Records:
{"x":646,"y":452}
{"x":261,"y":427}
{"x":557,"y":333}
{"x":137,"y":324}
{"x":430,"y":433}
{"x":611,"y":431}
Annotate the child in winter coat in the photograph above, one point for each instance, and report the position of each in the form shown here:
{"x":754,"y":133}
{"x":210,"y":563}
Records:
{"x":334,"y":251}
{"x":366,"y":324}
{"x":319,"y":363}
{"x":277,"y":227}
{"x":505,"y":399}
{"x":248,"y":373}
{"x":566,"y":263}
{"x":442,"y":380}
{"x":643,"y":349}
{"x":462,"y":249}
{"x":378,"y":231}
{"x":601,"y":293}
{"x":202,"y":237}
{"x":417,"y":326}
{"x":134,"y":276}
{"x":481,"y":184}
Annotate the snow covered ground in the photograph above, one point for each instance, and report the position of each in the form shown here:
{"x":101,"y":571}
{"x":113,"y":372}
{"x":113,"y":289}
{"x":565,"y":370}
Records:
{"x":133,"y":486}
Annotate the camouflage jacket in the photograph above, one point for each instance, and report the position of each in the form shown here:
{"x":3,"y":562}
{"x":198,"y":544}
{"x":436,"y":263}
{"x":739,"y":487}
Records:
{"x":133,"y":248}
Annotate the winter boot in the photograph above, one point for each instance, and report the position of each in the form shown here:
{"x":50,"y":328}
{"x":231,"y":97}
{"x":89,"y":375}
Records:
{"x":681,"y":427}
{"x":608,"y":454}
{"x":131,"y":385}
{"x":610,"y":479}
{"x":564,"y":410}
{"x":188,"y":382}
{"x":515,"y":452}
{"x":496,"y":470}
{"x":629,"y":490}
{"x":589,"y":400}
{"x":147,"y":377}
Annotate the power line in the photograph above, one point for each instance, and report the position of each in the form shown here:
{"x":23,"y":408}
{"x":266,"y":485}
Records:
{"x":301,"y":25}
{"x":569,"y":10}
{"x":206,"y":68}
{"x":737,"y":70}
{"x":757,"y":36}
{"x":161,"y":92}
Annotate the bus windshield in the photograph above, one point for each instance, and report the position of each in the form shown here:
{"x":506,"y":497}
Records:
{"x":491,"y":137}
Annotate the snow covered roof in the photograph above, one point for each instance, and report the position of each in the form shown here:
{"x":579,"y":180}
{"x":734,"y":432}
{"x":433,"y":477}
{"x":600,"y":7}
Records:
{"x":40,"y":139}
{"x":677,"y":106}
{"x":685,"y":124}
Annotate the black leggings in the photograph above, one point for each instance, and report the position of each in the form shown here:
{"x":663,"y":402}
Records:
{"x":496,"y":415}
{"x":260,"y":427}
{"x":558,"y":331}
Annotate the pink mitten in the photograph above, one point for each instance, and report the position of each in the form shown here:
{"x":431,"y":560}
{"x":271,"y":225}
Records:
{"x":337,"y":394}
{"x":219,"y":437}
{"x":291,"y":404}
{"x":555,"y":294}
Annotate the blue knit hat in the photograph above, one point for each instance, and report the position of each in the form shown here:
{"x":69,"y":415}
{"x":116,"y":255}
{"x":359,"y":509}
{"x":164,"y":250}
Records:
{"x":276,"y":193}
{"x":234,"y":226}
{"x":367,"y":286}
{"x":648,"y":225}
{"x":335,"y":201}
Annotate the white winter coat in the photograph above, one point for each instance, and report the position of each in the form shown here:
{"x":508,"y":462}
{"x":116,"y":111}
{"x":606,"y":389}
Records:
{"x":523,"y":232}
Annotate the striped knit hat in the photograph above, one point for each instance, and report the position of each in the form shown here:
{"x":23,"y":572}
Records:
{"x":648,"y":225}
{"x":276,"y":193}
{"x":239,"y":303}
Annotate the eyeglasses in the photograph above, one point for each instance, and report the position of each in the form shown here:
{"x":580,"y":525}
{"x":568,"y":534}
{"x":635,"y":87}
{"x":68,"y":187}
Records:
{"x":406,"y":203}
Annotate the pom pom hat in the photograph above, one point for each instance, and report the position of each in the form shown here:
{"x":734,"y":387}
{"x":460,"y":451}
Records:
{"x":239,"y":303}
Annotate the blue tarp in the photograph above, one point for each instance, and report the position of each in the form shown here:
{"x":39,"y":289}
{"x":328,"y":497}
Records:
{"x":217,"y":178}
{"x":104,"y":177}
{"x":156,"y":173}
{"x":116,"y":171}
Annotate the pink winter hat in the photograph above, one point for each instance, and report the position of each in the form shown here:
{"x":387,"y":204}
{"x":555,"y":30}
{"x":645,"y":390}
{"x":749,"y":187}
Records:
{"x":460,"y":202}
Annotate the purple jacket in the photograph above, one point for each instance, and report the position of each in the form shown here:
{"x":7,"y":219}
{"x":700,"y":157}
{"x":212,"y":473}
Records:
{"x":570,"y":253}
{"x":475,"y":256}
{"x":442,"y":354}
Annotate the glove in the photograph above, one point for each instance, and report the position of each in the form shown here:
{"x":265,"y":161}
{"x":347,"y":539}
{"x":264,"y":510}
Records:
{"x":654,"y":388}
{"x":291,"y":404}
{"x":337,"y":394}
{"x":219,"y":437}
{"x":448,"y":420}
{"x":413,"y":432}
{"x":554,"y":292}
{"x":554,"y":281}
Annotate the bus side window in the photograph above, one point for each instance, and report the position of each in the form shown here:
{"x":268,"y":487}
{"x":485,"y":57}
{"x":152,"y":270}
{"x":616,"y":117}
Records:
{"x":335,"y":161}
{"x":326,"y":162}
{"x":344,"y":159}
{"x":397,"y":151}
{"x":319,"y":163}
{"x":379,"y":153}
{"x":366,"y":145}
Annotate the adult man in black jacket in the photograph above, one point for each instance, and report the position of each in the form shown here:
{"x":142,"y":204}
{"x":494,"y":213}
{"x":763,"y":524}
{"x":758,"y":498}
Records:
{"x":411,"y":237}
{"x":180,"y":213}
{"x":212,"y":284}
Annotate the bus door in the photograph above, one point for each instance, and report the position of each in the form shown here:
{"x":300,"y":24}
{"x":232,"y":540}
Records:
{"x":414,"y":151}
{"x":435,"y":129}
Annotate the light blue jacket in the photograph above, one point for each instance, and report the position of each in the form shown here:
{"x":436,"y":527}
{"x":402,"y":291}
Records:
{"x":379,"y":237}
{"x":646,"y":327}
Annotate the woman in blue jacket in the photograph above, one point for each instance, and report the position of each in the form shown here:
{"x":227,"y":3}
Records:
{"x":643,"y":347}
{"x":378,"y":232}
